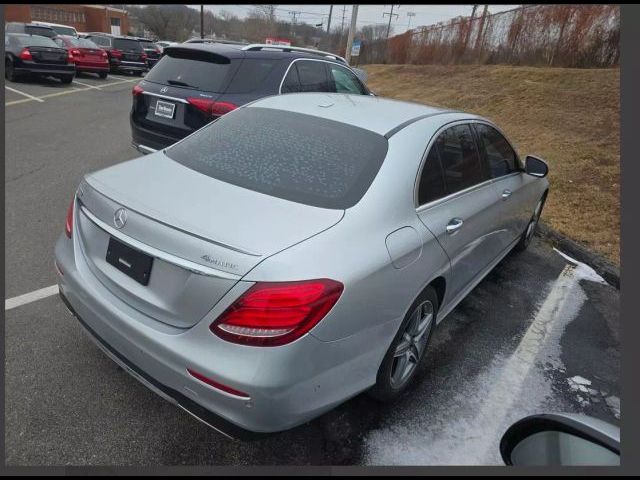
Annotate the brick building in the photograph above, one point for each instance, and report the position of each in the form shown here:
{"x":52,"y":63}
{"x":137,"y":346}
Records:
{"x":84,"y":18}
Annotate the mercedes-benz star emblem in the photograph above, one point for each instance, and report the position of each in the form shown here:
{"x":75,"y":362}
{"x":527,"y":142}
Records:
{"x":164,"y":89}
{"x":120,"y":218}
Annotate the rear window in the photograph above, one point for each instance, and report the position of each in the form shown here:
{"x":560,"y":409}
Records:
{"x":36,"y":41}
{"x":65,"y":31}
{"x":147,"y":44}
{"x":289,"y":155}
{"x":84,"y":43}
{"x":127,"y":44}
{"x":251,"y":73}
{"x":44,"y":31}
{"x":104,"y":41}
{"x":191,"y":68}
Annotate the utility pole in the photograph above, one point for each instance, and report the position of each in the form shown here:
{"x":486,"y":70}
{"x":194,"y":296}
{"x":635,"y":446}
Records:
{"x":466,"y":38}
{"x":329,"y":21}
{"x":293,"y":23}
{"x":201,"y":21}
{"x":410,"y":15}
{"x":352,"y":32}
{"x":391,"y":15}
{"x":344,"y":9}
{"x":480,"y":37}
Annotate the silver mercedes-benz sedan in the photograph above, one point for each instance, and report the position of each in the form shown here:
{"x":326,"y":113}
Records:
{"x":294,"y":253}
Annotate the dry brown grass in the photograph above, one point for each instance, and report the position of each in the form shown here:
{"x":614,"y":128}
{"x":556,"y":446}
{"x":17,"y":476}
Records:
{"x":570,"y":117}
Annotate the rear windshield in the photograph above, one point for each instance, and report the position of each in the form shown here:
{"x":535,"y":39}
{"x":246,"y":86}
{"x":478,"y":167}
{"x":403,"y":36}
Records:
{"x":127,"y":44}
{"x":147,"y":44}
{"x":65,"y":31}
{"x":289,"y":155}
{"x":36,"y":41}
{"x":44,"y":31}
{"x":191,"y":68}
{"x":80,"y":42}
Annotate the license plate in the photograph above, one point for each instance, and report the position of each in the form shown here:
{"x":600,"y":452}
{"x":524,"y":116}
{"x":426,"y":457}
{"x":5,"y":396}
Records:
{"x":50,"y":56}
{"x":129,"y":261}
{"x":165,"y":109}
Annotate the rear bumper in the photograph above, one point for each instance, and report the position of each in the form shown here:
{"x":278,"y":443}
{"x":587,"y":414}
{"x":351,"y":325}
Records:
{"x":92,"y":67}
{"x":287,"y":385}
{"x":129,"y":66}
{"x":45,"y":69}
{"x":150,"y":139}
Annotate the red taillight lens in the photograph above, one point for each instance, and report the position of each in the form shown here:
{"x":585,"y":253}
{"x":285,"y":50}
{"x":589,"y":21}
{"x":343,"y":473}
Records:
{"x":70,"y":58}
{"x":276,"y":313}
{"x":104,"y":54}
{"x":68,"y":226}
{"x":137,"y":90}
{"x":116,"y":53}
{"x":25,"y":54}
{"x":211,"y":107}
{"x":75,"y":52}
{"x":217,"y":385}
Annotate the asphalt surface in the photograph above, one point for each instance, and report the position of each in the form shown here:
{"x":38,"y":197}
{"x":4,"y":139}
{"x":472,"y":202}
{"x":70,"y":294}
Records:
{"x":539,"y":334}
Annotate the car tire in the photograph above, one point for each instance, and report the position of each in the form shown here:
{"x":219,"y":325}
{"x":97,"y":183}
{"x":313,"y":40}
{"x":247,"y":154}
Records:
{"x":9,"y":71}
{"x":103,"y":75}
{"x":66,"y":78}
{"x":529,"y":232}
{"x":408,"y":349}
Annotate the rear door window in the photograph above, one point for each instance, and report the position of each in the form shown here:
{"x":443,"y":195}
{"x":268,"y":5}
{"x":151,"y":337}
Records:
{"x":431,"y":186}
{"x":460,"y":160}
{"x":500,"y":157}
{"x":192,"y":69}
{"x":291,"y":82}
{"x":313,"y":76}
{"x":345,"y":81}
{"x":297,"y":157}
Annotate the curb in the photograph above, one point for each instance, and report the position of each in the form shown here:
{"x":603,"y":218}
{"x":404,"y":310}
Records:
{"x":604,"y":267}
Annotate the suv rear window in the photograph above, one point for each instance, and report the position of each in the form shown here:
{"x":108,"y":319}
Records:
{"x":127,"y":44}
{"x":191,"y":68}
{"x":289,"y":155}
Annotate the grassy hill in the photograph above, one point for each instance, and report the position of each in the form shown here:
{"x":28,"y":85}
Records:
{"x":570,"y":117}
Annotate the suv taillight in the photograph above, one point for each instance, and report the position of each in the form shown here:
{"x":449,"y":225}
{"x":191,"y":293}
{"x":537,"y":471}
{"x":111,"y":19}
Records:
{"x":211,"y":107}
{"x":25,"y":54}
{"x":137,"y":90}
{"x":275,"y":313}
{"x":104,"y":54}
{"x":68,"y":226}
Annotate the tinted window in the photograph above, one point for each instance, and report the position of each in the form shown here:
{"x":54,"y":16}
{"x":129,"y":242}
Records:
{"x":313,"y":76}
{"x":291,"y":82}
{"x":431,"y":185}
{"x":36,"y":41}
{"x":59,"y":42}
{"x":44,"y":31}
{"x":146,"y":44}
{"x":104,"y":41}
{"x":191,"y":68}
{"x":290,"y":155}
{"x":345,"y":81}
{"x":459,"y":157}
{"x":84,"y":43}
{"x":500,"y":156}
{"x":250,"y":75}
{"x":65,"y":31}
{"x":127,"y":44}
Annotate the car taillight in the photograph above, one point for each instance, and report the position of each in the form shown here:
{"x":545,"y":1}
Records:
{"x":137,"y":90}
{"x":275,"y":313}
{"x":104,"y":54}
{"x":211,"y":107}
{"x":75,"y":52}
{"x":70,"y":58}
{"x":25,"y":54}
{"x":116,"y":53}
{"x":68,"y":226}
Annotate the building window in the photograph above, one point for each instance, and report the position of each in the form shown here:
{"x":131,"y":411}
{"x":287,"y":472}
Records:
{"x":55,"y":15}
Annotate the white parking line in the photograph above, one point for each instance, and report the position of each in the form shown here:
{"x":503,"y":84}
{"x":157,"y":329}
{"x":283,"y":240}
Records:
{"x":86,"y":85}
{"x":22,"y":100}
{"x":23,"y":94}
{"x":30,"y":297}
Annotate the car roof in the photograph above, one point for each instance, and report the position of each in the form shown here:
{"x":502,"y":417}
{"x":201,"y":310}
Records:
{"x":384,"y":116}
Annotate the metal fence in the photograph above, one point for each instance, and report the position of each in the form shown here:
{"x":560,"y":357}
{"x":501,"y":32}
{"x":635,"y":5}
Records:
{"x":584,"y":36}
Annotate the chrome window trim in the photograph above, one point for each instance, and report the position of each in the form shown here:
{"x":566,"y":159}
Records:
{"x":156,"y":253}
{"x":421,"y":208}
{"x":314,"y":60}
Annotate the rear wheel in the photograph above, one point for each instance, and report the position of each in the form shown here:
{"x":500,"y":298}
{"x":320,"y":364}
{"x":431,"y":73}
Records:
{"x":407,"y":351}
{"x":528,"y":233}
{"x":66,"y":78}
{"x":103,"y":75}
{"x":9,"y":71}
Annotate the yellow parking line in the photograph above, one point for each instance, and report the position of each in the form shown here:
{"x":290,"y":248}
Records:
{"x":24,"y":94}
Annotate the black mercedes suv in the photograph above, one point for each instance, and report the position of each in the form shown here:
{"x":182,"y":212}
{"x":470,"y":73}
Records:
{"x":195,"y":83}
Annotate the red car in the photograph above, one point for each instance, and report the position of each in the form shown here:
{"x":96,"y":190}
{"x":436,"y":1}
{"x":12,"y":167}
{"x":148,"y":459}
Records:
{"x":87,"y":56}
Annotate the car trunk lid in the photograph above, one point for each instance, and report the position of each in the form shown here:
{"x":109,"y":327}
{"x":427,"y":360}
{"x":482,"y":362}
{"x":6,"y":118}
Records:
{"x":204,"y":234}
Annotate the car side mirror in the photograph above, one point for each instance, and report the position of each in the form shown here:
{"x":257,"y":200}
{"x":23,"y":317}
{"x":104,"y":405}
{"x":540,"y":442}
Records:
{"x":560,"y":439}
{"x":373,"y":94}
{"x":535,"y":166}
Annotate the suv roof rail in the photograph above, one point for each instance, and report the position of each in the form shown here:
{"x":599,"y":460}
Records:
{"x":287,"y":48}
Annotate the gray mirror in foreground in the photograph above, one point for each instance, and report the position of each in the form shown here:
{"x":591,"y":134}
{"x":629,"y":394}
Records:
{"x":535,"y":166}
{"x":561,"y":439}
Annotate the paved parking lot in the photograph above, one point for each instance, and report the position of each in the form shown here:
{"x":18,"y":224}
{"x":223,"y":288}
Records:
{"x":540,"y":333}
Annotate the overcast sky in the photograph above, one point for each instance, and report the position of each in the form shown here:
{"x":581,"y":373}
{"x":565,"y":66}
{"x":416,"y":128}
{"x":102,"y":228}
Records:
{"x":367,"y":14}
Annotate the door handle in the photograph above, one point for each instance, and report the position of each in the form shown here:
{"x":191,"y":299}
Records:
{"x":506,"y":194}
{"x":454,"y":224}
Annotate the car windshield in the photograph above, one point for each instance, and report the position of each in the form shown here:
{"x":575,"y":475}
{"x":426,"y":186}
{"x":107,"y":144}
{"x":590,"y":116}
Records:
{"x":297,"y":157}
